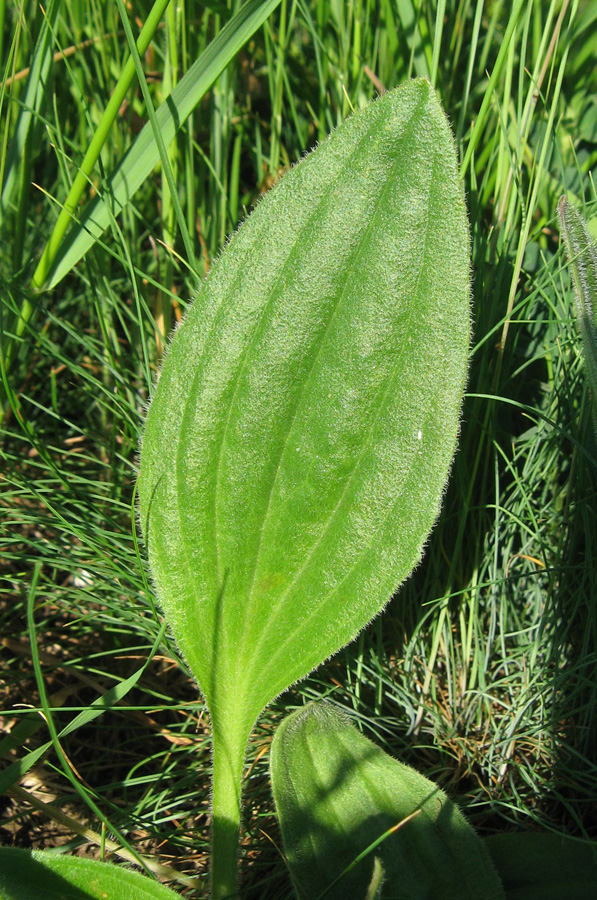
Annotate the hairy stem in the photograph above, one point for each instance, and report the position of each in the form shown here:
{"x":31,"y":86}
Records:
{"x":228,"y":760}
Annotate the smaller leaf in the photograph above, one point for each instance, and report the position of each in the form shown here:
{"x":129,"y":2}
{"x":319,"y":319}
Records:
{"x":582,"y":256}
{"x":536,"y":866}
{"x":339,"y":796}
{"x":39,"y":875}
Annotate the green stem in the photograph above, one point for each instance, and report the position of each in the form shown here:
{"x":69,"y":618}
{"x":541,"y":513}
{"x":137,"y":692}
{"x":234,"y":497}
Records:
{"x":228,"y":762}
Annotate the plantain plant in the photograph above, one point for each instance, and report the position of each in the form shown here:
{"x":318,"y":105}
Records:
{"x":300,"y":437}
{"x":292,"y":465}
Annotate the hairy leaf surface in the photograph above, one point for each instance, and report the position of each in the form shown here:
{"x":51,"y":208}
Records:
{"x":582,"y":256}
{"x":305,"y":419}
{"x":337,"y":794}
{"x":39,"y":875}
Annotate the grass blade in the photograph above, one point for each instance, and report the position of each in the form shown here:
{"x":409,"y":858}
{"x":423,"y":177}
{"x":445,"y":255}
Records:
{"x":31,"y":105}
{"x":481,"y":119}
{"x":100,"y":137}
{"x":99,"y":706}
{"x":142,"y":157}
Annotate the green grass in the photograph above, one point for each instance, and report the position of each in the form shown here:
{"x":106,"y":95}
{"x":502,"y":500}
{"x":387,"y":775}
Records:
{"x":481,"y":671}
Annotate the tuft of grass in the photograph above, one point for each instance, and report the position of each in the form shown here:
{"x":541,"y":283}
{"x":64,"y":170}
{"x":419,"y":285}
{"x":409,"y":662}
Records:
{"x":481,"y":671}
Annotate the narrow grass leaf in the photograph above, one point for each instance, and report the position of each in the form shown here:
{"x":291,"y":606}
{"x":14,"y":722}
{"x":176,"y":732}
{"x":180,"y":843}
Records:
{"x":31,"y":874}
{"x":140,"y":161}
{"x":173,"y":197}
{"x":343,"y":803}
{"x":31,"y":105}
{"x":15,"y":771}
{"x":100,"y":137}
{"x":416,"y":33}
{"x":483,"y":115}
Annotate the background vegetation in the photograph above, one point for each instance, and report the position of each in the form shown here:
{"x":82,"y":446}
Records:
{"x":482,"y":671}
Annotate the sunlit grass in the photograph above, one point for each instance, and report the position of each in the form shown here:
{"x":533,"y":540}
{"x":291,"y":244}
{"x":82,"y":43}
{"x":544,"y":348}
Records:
{"x":481,"y":671}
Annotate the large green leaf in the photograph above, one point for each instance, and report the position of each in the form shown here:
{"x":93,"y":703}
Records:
{"x":38,"y":875}
{"x":305,"y":419}
{"x":544,"y":866}
{"x":337,"y":795}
